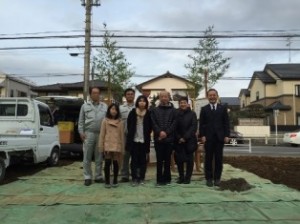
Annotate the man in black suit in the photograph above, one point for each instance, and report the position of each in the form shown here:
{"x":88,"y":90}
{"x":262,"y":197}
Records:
{"x":214,"y":132}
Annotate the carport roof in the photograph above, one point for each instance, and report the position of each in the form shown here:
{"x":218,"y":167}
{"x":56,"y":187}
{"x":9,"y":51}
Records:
{"x":277,"y":105}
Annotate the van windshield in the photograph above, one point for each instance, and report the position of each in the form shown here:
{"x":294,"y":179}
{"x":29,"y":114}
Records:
{"x":10,"y":110}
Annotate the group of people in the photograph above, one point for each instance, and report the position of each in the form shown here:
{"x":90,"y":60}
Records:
{"x":121,"y":135}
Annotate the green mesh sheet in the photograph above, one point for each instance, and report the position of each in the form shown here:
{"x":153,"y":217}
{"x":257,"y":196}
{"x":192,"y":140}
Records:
{"x":57,"y":195}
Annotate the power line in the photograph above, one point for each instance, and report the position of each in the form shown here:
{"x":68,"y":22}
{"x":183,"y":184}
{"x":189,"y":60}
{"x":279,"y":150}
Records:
{"x":157,"y":31}
{"x":146,"y":48}
{"x":156,"y":36}
{"x":44,"y":75}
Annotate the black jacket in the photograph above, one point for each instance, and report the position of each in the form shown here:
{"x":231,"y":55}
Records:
{"x":164,"y":119}
{"x":186,"y":128}
{"x":131,"y":127}
{"x":214,"y":123}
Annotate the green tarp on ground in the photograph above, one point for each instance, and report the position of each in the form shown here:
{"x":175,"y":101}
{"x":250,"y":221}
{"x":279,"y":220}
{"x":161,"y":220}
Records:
{"x":57,"y":195}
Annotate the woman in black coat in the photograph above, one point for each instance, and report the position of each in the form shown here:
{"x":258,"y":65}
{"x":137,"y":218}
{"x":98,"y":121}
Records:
{"x":186,"y":140}
{"x":138,"y":139}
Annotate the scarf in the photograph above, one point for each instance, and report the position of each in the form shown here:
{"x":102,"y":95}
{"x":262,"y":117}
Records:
{"x":140,"y":114}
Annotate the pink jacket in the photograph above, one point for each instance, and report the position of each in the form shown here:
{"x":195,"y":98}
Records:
{"x":111,"y":137}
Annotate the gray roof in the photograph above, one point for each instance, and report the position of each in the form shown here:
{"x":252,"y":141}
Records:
{"x":245,"y":92}
{"x":231,"y":101}
{"x":264,"y":77}
{"x":69,"y":86}
{"x":277,"y":105}
{"x":285,"y":71}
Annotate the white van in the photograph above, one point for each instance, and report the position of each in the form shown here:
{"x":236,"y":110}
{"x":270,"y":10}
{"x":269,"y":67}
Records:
{"x":27,"y":132}
{"x":65,"y":110}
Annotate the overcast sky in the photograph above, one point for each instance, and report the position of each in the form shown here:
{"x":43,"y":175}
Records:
{"x":66,"y":17}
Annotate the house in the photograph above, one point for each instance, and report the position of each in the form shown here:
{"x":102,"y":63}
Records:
{"x":176,"y":85}
{"x":244,"y":98}
{"x":12,"y":86}
{"x":232,"y":103}
{"x":69,"y":89}
{"x":277,"y":89}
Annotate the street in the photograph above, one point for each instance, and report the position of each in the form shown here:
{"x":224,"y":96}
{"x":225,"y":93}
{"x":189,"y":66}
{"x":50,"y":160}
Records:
{"x":269,"y":150}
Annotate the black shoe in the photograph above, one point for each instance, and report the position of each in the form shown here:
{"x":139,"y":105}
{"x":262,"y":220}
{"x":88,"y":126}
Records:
{"x":99,"y":181}
{"x":180,"y":181}
{"x":87,"y":182}
{"x":124,"y":180}
{"x":209,"y":183}
{"x":217,"y":183}
{"x":160,"y":184}
{"x":115,"y":183}
{"x":187,"y":181}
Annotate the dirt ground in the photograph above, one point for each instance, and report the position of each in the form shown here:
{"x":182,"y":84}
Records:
{"x":280,"y":170}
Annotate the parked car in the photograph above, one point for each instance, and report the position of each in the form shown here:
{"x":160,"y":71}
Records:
{"x":236,"y":138}
{"x":292,"y":138}
{"x":27,"y":133}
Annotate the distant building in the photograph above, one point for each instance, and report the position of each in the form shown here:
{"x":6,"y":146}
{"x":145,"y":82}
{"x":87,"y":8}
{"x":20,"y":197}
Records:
{"x":11,"y":86}
{"x":276,"y":88}
{"x":232,"y":103}
{"x":69,"y":89}
{"x":176,"y":85}
{"x":244,"y":98}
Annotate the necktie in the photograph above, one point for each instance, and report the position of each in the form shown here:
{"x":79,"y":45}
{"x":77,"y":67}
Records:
{"x":213,"y":107}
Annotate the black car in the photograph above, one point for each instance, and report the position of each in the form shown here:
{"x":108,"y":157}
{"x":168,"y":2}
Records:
{"x":236,"y":138}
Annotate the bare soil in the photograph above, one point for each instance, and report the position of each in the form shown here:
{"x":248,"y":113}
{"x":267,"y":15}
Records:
{"x":280,"y":170}
{"x":235,"y":184}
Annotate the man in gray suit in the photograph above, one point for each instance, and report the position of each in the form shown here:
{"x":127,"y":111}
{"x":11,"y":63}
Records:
{"x":89,"y":123}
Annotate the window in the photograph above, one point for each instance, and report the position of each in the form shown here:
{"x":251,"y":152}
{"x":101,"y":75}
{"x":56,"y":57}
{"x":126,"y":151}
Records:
{"x":11,"y":93}
{"x":257,"y":95}
{"x":22,"y":94}
{"x":10,"y":110}
{"x":297,"y":90}
{"x":45,"y":116}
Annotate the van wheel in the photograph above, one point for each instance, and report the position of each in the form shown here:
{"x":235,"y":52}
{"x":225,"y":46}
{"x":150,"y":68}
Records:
{"x":54,"y":157}
{"x":2,"y":169}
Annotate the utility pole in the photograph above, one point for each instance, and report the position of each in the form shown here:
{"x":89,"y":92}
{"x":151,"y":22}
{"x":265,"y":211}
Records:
{"x":289,"y":42}
{"x":109,"y":87}
{"x":206,"y":81}
{"x":88,"y":4}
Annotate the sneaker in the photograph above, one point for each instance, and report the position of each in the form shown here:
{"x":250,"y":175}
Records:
{"x":134,"y":183}
{"x":141,"y":182}
{"x":99,"y":181}
{"x":168,"y":183}
{"x":107,"y":186}
{"x":87,"y":182}
{"x":115,"y":185}
{"x":124,"y":180}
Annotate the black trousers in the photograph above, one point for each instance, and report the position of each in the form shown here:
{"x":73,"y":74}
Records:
{"x":213,"y":150}
{"x":138,"y":161}
{"x":163,"y":161}
{"x":189,"y":160}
